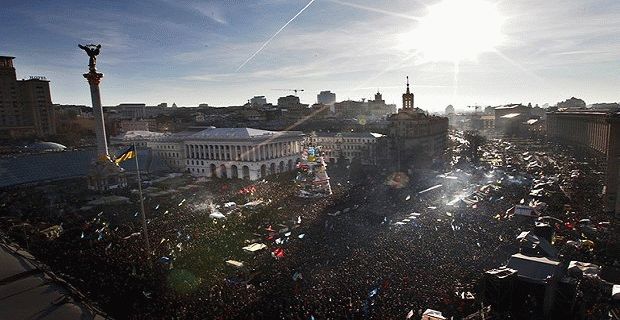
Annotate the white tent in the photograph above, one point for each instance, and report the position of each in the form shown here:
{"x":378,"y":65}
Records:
{"x":526,"y":211}
{"x":431,"y":314}
{"x":234,"y":263}
{"x":583,"y":268}
{"x":254,"y":247}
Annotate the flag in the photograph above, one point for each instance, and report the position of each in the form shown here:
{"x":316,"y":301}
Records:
{"x":128,"y":154}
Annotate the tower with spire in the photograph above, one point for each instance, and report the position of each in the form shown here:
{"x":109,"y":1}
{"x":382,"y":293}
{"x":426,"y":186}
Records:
{"x":408,"y":98}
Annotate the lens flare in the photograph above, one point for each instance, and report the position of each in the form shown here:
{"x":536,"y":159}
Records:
{"x":455,"y":30}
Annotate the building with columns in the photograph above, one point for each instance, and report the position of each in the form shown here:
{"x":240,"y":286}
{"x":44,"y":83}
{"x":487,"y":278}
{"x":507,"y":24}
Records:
{"x":243,"y":153}
{"x":598,"y":134}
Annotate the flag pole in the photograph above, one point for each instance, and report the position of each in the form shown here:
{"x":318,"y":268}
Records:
{"x":144,"y":230}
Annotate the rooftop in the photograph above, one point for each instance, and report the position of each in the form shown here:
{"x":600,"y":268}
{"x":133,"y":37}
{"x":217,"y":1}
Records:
{"x":509,"y":106}
{"x":510,"y":115}
{"x":29,"y":291}
{"x":584,"y":112}
{"x":138,"y":134}
{"x":349,"y":134}
{"x":534,"y":269}
{"x":240,"y":133}
{"x":46,"y":146}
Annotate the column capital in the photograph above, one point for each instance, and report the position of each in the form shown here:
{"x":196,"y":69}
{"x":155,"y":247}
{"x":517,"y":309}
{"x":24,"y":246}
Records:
{"x":94,"y":78}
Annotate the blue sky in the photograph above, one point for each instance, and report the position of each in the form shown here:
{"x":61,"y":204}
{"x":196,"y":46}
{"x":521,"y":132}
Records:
{"x":188,"y":52}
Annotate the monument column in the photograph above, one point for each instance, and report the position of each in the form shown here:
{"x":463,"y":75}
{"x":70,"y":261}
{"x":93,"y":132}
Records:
{"x":94,"y":78}
{"x":104,"y":174}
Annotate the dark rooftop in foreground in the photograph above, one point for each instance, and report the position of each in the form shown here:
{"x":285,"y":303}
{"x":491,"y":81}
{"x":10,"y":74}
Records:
{"x":29,"y":291}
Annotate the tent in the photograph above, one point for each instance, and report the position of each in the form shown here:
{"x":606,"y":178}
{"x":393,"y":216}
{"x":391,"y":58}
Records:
{"x":526,"y":211}
{"x":254,"y":247}
{"x":533,"y":245}
{"x":431,"y":314}
{"x":533,"y":269}
{"x":578,"y":268}
{"x":234,"y":263}
{"x":253,"y":204}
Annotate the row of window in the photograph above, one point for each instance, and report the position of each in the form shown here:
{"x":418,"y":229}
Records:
{"x":345,"y":140}
{"x":170,"y":154}
{"x":164,"y":147}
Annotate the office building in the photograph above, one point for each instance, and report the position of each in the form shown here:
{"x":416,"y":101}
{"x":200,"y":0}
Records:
{"x":26,"y":108}
{"x":326,"y":98}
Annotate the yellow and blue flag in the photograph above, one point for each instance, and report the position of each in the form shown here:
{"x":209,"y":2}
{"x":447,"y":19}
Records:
{"x":128,"y":154}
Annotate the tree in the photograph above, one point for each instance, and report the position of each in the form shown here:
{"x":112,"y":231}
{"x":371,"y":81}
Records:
{"x":475,"y":141}
{"x":342,"y":161}
{"x":356,"y":172}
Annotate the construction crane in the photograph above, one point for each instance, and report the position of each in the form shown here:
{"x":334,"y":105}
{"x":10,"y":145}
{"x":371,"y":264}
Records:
{"x":294,"y":90}
{"x":476,"y":108}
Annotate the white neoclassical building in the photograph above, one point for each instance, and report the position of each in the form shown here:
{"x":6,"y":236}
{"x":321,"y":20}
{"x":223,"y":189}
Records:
{"x":243,"y":153}
{"x":349,"y":145}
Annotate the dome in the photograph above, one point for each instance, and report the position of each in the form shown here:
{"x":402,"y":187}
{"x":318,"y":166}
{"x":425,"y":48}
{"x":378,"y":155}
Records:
{"x":44,"y":146}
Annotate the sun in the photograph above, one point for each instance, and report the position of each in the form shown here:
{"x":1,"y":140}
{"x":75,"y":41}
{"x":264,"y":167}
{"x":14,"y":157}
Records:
{"x":455,"y":30}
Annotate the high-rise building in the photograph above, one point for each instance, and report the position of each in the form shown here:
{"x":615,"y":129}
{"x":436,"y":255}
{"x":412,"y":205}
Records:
{"x":288,"y":101}
{"x":26,"y":108}
{"x":326,"y":97}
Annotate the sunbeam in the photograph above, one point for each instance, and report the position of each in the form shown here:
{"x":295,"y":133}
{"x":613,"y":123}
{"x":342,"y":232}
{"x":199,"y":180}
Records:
{"x":371,"y":9}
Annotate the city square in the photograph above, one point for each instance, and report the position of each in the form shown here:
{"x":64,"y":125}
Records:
{"x":331,"y":159}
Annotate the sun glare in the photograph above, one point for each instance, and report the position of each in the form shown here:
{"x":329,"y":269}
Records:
{"x":455,"y":30}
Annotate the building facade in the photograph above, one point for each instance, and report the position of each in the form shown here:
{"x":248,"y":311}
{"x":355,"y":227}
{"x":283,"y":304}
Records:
{"x":126,"y":125}
{"x":377,"y":108}
{"x":509,"y":119}
{"x":346,"y":145}
{"x":598,"y":133}
{"x":26,"y":108}
{"x":326,"y":98}
{"x":170,"y":147}
{"x":415,"y":134}
{"x":258,"y":101}
{"x":242,"y":153}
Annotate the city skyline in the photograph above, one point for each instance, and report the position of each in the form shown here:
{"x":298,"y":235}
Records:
{"x":223,"y":54}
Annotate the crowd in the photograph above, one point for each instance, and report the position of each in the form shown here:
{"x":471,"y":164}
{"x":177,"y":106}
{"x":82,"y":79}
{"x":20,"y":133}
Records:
{"x":369,"y":251}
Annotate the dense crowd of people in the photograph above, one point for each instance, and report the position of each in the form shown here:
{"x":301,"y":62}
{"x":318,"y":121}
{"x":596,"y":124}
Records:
{"x":371,"y":250}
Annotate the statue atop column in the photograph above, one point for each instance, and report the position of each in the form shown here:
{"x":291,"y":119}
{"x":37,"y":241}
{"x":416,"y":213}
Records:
{"x":92,"y":51}
{"x":104,"y":174}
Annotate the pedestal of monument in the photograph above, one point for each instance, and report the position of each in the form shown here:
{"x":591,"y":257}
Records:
{"x":105,"y":175}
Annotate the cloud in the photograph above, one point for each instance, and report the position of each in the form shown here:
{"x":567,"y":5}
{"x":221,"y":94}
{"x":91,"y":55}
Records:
{"x":208,"y":9}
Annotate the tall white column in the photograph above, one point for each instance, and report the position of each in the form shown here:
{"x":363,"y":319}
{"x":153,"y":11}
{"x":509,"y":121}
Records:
{"x":94,"y":78}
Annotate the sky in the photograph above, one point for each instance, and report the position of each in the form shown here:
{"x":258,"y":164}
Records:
{"x":224,"y":52}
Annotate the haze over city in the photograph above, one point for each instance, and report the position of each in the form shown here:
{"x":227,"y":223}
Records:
{"x":222,"y":52}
